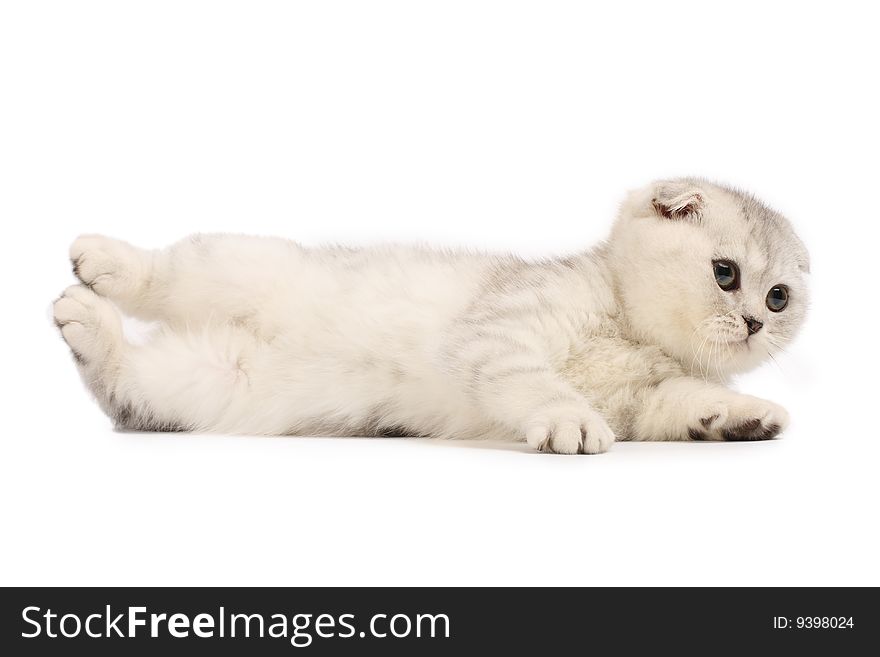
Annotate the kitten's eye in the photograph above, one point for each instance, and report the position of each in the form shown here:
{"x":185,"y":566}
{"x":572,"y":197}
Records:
{"x":726,"y":274}
{"x":777,"y":298}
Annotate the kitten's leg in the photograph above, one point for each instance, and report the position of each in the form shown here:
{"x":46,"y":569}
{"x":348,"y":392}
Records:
{"x":689,"y":409}
{"x":199,"y":280}
{"x":175,"y":382}
{"x":509,"y":374}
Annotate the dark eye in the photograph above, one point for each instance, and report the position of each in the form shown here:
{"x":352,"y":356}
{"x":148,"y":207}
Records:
{"x":726,"y":274}
{"x":777,"y":298}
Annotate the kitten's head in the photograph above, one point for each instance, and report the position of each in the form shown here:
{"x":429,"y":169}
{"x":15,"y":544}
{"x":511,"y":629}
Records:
{"x":709,"y":274}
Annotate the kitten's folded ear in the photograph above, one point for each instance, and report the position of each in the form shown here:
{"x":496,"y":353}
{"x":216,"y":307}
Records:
{"x":677,"y":200}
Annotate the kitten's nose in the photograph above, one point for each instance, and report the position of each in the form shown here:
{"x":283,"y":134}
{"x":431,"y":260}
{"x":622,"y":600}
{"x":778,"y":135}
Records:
{"x":753,"y":324}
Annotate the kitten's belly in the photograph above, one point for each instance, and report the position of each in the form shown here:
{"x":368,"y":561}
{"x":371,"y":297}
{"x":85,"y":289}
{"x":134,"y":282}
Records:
{"x":354,"y":390}
{"x":358,"y":355}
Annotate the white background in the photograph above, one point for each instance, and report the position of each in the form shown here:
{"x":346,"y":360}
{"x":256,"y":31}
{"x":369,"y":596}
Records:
{"x":503,"y":125}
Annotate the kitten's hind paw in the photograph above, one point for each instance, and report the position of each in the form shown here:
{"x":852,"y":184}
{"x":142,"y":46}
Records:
{"x":569,"y":431}
{"x":89,"y":324}
{"x":112,"y":268}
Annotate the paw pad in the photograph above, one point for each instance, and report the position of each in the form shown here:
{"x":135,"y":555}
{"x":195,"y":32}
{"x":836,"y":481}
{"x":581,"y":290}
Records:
{"x":752,"y":429}
{"x":707,"y":421}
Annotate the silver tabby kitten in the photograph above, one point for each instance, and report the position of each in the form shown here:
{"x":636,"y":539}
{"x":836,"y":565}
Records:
{"x":633,"y":340}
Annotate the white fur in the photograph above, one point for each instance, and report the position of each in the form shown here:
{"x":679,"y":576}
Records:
{"x":633,"y":339}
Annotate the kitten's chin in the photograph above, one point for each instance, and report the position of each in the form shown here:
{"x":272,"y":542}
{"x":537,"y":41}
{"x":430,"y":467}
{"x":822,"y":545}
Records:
{"x":745,"y":355}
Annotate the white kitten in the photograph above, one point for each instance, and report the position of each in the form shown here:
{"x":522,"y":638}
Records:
{"x":633,"y":339}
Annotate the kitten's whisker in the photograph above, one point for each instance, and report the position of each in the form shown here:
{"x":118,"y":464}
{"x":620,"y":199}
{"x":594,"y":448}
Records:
{"x":697,"y":356}
{"x":713,"y":346}
{"x":780,"y":348}
{"x":719,"y":359}
{"x":775,"y":344}
{"x":709,"y":360}
{"x":694,"y":346}
{"x":702,"y":346}
{"x":694,"y":351}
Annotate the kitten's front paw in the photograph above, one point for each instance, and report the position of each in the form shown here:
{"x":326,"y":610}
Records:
{"x":741,"y":418}
{"x":569,"y":430}
{"x":754,"y":419}
{"x":112,"y":268}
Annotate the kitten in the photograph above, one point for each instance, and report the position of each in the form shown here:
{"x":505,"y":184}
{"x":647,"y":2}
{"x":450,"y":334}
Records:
{"x":633,"y":340}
